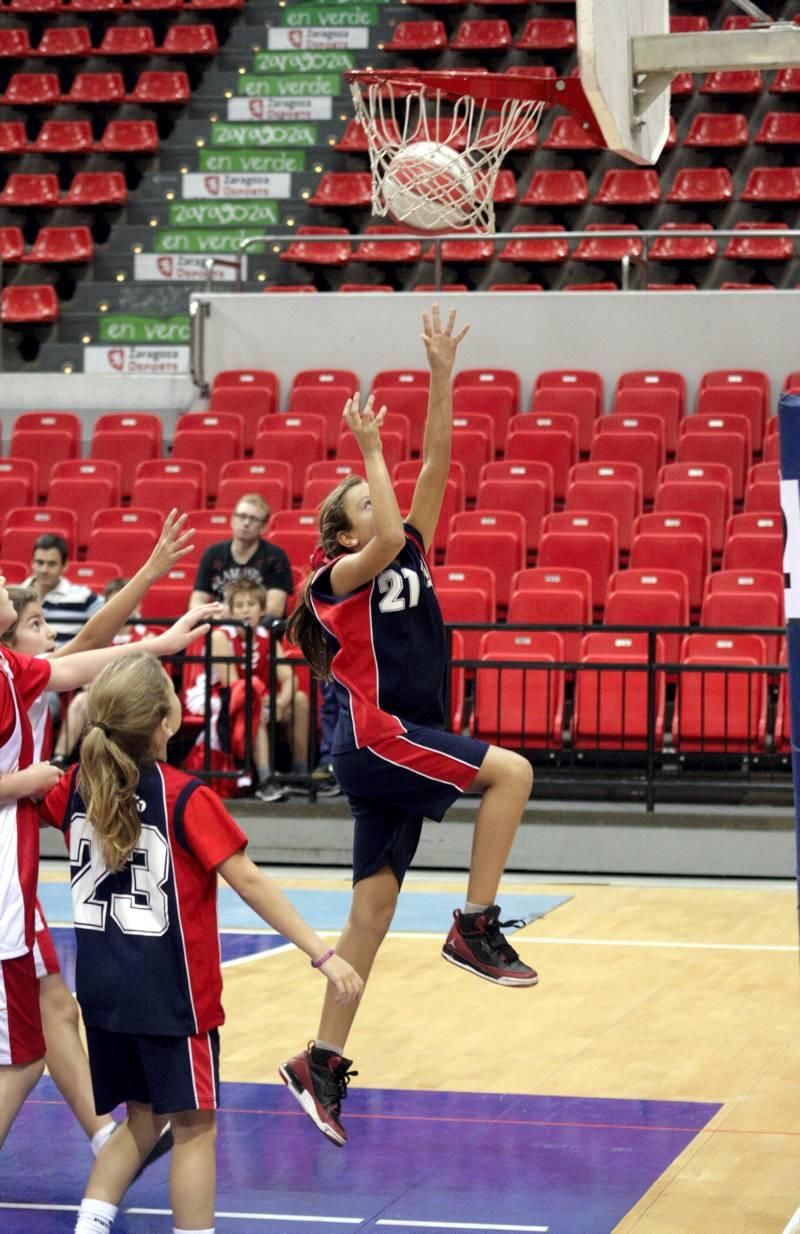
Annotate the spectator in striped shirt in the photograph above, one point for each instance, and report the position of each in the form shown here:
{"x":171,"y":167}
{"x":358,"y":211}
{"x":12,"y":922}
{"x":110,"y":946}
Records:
{"x":67,"y":606}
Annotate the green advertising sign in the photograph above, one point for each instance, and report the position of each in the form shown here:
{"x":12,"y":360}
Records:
{"x":238,"y":135}
{"x":223,"y":161}
{"x":351,"y":14}
{"x":303,"y":61}
{"x":262,"y":213}
{"x":291,"y":85}
{"x":209,"y":243}
{"x":123,"y":328}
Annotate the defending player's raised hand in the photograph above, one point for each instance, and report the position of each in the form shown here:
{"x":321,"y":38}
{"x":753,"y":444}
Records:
{"x":344,"y":978}
{"x":364,"y":425}
{"x":186,"y":629}
{"x":441,"y":344}
{"x":173,"y":544}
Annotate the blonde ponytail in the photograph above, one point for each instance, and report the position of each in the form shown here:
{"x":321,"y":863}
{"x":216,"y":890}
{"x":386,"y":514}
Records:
{"x":126,"y":703}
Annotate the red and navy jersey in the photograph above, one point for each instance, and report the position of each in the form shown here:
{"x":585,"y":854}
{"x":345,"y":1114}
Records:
{"x":390,"y":652}
{"x":22,"y":680}
{"x":148,"y":946}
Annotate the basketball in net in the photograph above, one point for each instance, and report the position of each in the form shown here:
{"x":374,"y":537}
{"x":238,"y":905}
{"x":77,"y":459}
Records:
{"x":429,"y":186}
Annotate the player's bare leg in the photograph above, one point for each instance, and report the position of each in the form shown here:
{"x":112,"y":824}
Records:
{"x":193,"y":1170}
{"x":66,"y":1058}
{"x":318,"y":1077}
{"x":475,"y":942}
{"x":16,"y":1081}
{"x":121,"y":1157}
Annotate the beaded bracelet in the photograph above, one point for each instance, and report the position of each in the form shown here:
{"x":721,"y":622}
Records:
{"x":323,"y":959}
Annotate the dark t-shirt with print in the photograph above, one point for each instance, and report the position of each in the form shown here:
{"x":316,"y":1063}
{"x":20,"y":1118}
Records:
{"x":269,"y":566}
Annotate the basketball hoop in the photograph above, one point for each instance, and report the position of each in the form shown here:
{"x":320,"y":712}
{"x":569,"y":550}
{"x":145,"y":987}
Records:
{"x":433,"y":157}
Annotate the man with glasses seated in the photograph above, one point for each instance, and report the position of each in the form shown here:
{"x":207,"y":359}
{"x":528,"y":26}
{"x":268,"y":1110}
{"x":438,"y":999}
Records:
{"x":246,"y":555}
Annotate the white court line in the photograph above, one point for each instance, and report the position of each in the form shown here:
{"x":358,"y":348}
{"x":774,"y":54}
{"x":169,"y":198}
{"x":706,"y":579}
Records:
{"x":518,"y":939}
{"x":257,"y":955}
{"x":167,"y":1212}
{"x":463,"y":1225}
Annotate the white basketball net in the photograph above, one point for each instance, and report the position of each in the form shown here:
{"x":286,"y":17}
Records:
{"x":479,"y":136}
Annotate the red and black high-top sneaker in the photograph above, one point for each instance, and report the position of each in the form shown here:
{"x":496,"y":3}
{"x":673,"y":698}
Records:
{"x":318,"y":1080}
{"x":475,"y":943}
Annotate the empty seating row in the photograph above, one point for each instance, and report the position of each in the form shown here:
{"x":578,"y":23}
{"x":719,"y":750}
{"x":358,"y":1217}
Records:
{"x":44,"y":89}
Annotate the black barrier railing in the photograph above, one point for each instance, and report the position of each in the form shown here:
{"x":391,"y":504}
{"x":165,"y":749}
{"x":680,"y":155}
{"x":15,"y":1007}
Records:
{"x":732,"y":746}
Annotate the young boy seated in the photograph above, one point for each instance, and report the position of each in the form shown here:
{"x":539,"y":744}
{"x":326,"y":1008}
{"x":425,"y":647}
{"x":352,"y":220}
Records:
{"x":247,"y":603}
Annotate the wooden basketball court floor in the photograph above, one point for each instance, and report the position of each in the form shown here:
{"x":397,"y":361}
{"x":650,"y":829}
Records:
{"x":649,"y":1084}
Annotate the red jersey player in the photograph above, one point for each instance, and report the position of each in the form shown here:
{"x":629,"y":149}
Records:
{"x":369,"y":618}
{"x":22,"y":680}
{"x":145,"y":844}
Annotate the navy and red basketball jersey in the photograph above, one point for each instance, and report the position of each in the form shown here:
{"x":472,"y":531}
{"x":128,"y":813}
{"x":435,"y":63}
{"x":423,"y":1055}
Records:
{"x":390,"y":650}
{"x":148,"y":947}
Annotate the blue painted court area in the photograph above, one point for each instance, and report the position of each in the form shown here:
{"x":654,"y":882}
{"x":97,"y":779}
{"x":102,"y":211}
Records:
{"x":415,"y":1161}
{"x":232,"y":947}
{"x":327,"y":910}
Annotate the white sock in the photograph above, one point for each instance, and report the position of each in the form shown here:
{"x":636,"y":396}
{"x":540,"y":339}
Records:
{"x":95,"y":1217}
{"x":470,"y":907}
{"x":175,"y":1230}
{"x":99,"y":1138}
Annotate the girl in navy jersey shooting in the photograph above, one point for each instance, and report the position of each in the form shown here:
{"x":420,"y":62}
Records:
{"x":146,"y":842}
{"x":370,"y":620}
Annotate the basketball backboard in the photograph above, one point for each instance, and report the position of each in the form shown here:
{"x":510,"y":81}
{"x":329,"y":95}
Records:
{"x":605,"y":30}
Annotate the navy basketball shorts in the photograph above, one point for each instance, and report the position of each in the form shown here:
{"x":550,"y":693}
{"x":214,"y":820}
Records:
{"x":168,"y":1073}
{"x":397,"y":782}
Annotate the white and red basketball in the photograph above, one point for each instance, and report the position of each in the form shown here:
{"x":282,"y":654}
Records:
{"x":429,"y":186}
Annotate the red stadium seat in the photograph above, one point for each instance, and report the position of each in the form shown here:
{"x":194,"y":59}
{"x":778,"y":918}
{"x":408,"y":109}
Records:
{"x":388,"y":252}
{"x":549,"y":439}
{"x":612,"y":705}
{"x":567,"y":133}
{"x":165,"y":493}
{"x":772,"y":184}
{"x":343,"y":190}
{"x":721,"y":711}
{"x":44,"y":447}
{"x":547,"y":34}
{"x":511,"y":471}
{"x":15,"y":44}
{"x":577,"y":392}
{"x":67,"y":246}
{"x":12,"y":245}
{"x":585,"y":541}
{"x":414,"y":36}
{"x":745,"y":608}
{"x":539,"y":252}
{"x":703,"y":488}
{"x":97,"y":188}
{"x":733,"y":81}
{"x":649,"y":599}
{"x":306,"y":252}
{"x":608,"y":248}
{"x":176,"y":469}
{"x":256,"y":476}
{"x":15,"y":491}
{"x":628,"y":187}
{"x":759,"y":248}
{"x":521,"y":706}
{"x":97,"y":89}
{"x":33,"y":305}
{"x":553,"y":596}
{"x":64,"y":137}
{"x":703,"y":247}
{"x":161,"y":89}
{"x":49,"y":421}
{"x":779,"y":128}
{"x":717,"y":439}
{"x":701,"y":186}
{"x":501,"y":548}
{"x":94,"y":574}
{"x":227,"y":421}
{"x":32,"y":90}
{"x":60,"y":520}
{"x":90,"y":469}
{"x":168,"y":599}
{"x":129,"y":137}
{"x":24,"y":190}
{"x":297,"y":448}
{"x":127,"y":519}
{"x":85,"y":497}
{"x":65,"y":42}
{"x":556,"y":189}
{"x":713,"y":131}
{"x":617,"y":497}
{"x":127,"y":41}
{"x":25,"y":470}
{"x":468,"y":594}
{"x":674,"y":542}
{"x":13,"y":138}
{"x":528,"y":498}
{"x":189,"y":41}
{"x":128,"y":548}
{"x":214,"y":447}
{"x":741,"y":391}
{"x":483,"y":35}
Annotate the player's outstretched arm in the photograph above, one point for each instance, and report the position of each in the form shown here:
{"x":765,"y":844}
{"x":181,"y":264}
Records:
{"x":265,"y":897}
{"x":355,"y":568}
{"x":78,"y":669}
{"x":173,"y":544}
{"x":441,"y":345}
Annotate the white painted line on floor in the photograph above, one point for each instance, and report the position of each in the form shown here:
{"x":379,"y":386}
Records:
{"x":257,"y":955}
{"x":167,"y":1212}
{"x":539,"y":939}
{"x":463,"y":1225}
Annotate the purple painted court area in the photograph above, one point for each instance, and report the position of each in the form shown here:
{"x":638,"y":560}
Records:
{"x":415,"y":1161}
